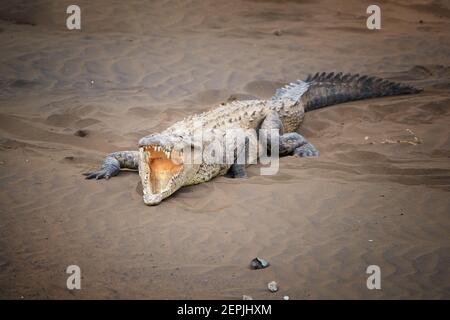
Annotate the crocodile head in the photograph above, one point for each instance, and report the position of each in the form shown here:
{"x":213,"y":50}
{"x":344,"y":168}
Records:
{"x":166,"y":163}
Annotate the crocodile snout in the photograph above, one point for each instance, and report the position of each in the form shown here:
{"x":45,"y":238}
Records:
{"x":152,"y":199}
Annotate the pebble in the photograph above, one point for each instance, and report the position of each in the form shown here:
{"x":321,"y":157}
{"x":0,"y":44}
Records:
{"x":273,"y":287}
{"x":259,"y":263}
{"x":245,"y":297}
{"x":277,"y":32}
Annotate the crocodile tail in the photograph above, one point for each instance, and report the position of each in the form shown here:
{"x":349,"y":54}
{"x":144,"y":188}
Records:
{"x":325,"y":89}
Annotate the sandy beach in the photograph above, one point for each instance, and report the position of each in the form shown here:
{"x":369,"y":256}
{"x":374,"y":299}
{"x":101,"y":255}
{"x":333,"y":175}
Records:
{"x":378,"y":194}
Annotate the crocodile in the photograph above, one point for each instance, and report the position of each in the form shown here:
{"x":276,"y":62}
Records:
{"x":173,"y":158}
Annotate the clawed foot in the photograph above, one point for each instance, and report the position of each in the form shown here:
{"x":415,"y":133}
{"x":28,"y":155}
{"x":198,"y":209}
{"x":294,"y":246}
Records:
{"x":103,"y":173}
{"x":306,"y":150}
{"x":289,"y":142}
{"x":295,"y":144}
{"x":111,"y":166}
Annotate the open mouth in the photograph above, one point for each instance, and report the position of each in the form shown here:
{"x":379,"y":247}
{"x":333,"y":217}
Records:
{"x":163,"y":166}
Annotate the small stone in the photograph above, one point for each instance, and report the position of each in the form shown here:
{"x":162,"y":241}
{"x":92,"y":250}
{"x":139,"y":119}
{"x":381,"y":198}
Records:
{"x":245,"y":297}
{"x":259,"y":263}
{"x":286,"y":298}
{"x":92,"y":82}
{"x":366,"y":138}
{"x":273,"y":287}
{"x":277,"y":32}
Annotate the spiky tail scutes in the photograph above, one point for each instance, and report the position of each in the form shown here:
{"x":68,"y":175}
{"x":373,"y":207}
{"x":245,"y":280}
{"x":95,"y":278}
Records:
{"x":325,"y":89}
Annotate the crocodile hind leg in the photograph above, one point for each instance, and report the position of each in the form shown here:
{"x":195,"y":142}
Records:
{"x":306,"y":150}
{"x":113,"y":163}
{"x":293,"y":143}
{"x":289,"y":142}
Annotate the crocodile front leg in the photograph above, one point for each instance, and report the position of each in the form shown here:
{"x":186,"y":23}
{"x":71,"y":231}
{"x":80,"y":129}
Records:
{"x":113,"y":163}
{"x":237,"y":171}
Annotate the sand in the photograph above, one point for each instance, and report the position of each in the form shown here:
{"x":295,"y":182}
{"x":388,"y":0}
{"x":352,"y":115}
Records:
{"x":377,"y":195}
